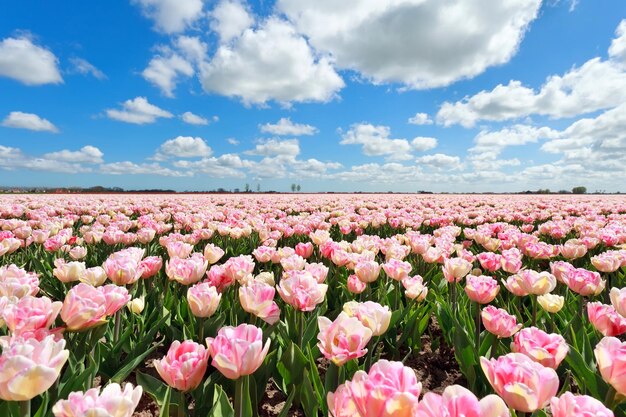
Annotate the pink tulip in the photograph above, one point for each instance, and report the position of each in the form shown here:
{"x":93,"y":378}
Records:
{"x":186,"y":271}
{"x":397,"y":269}
{"x":177,"y":249}
{"x":481,"y":289}
{"x":606,"y":262}
{"x":372,"y":315}
{"x":605,"y":319}
{"x":618,"y":300}
{"x":30,"y":314}
{"x":367,"y":271}
{"x":355,"y":285}
{"x":122,"y":268}
{"x":184,"y":365}
{"x":238,"y":351}
{"x":258,"y":299}
{"x":68,"y":271}
{"x":523,"y":384}
{"x":528,"y":281}
{"x":16,"y":282}
{"x":546,"y":349}
{"x":78,"y":252}
{"x":570,"y":405}
{"x":389,"y":389}
{"x":150,"y":266}
{"x":213,"y":253}
{"x":511,"y":261}
{"x":28,"y":367}
{"x":94,"y":276}
{"x":457,"y":401}
{"x":146,"y":235}
{"x":239,"y":267}
{"x":490,"y":261}
{"x":293,"y":263}
{"x":573,"y":249}
{"x":414,"y":288}
{"x":84,"y":307}
{"x":561,"y":269}
{"x":318,"y":270}
{"x":111,"y":402}
{"x":454,"y":269}
{"x":304,"y":250}
{"x":216,"y":276}
{"x":116,"y":298}
{"x":610,"y":356}
{"x":203,"y":299}
{"x":584,"y":282}
{"x":499,"y":322}
{"x":264,"y":254}
{"x":300,"y":290}
{"x":344,"y":339}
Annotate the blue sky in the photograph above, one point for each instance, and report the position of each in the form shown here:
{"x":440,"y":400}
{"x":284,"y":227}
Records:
{"x":360,"y":95}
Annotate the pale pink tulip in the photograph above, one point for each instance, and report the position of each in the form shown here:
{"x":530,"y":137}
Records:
{"x":523,"y":384}
{"x":528,"y":281}
{"x":371,"y":314}
{"x":610,"y":356}
{"x":29,"y":367}
{"x":30,"y":314}
{"x":570,"y":405}
{"x":457,"y":401}
{"x":414,"y":288}
{"x":481,"y":289}
{"x":605,"y":319}
{"x":84,"y":307}
{"x":618,"y":300}
{"x":213,"y":253}
{"x":16,"y":282}
{"x":499,"y":322}
{"x":300,"y":290}
{"x":257,"y":299}
{"x":304,"y":250}
{"x":116,"y":297}
{"x":113,"y":401}
{"x":490,"y":261}
{"x":343,"y":339}
{"x":318,"y":270}
{"x":94,"y":276}
{"x":203,"y":299}
{"x":68,"y":271}
{"x":238,"y":351}
{"x":178,"y":249}
{"x":355,"y":285}
{"x":546,"y":349}
{"x":184,"y":365}
{"x":150,"y":266}
{"x":397,"y":269}
{"x":186,"y":271}
{"x":367,"y":271}
{"x":239,"y":267}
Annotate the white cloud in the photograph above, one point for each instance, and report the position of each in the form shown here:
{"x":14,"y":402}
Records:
{"x":440,"y":161}
{"x":224,"y":166}
{"x":233,"y":141}
{"x":422,"y":143}
{"x":14,"y":159}
{"x":597,"y":84}
{"x":272,"y":62}
{"x":87,"y":154}
{"x":274,"y":147}
{"x":164,"y":72}
{"x":192,"y":48}
{"x":376,"y":141}
{"x":28,"y":63}
{"x":131,"y":168}
{"x":194,"y":119}
{"x":286,"y":127}
{"x":420,"y":43}
{"x":420,"y":119}
{"x":171,"y":16}
{"x":183,"y":147}
{"x":229,"y":19}
{"x":84,"y":67}
{"x":138,"y":111}
{"x":30,"y":121}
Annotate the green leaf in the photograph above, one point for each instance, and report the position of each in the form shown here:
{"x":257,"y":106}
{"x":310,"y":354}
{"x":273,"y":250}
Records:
{"x":221,"y":406}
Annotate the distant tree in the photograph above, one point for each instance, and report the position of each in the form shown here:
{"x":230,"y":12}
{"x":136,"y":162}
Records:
{"x":293,"y":188}
{"x":236,"y":190}
{"x":579,"y":190}
{"x":247,"y":188}
{"x":258,"y":187}
{"x":298,"y":188}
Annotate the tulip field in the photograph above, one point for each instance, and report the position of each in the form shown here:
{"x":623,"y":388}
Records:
{"x":350,"y":305}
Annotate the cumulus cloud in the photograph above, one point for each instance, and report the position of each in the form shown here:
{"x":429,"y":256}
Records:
{"x":84,"y":67}
{"x":138,"y":111}
{"x":131,"y":168}
{"x":233,"y":141}
{"x":30,"y":121}
{"x":597,"y":84}
{"x":194,"y":119}
{"x":285,"y":127}
{"x":229,"y":19}
{"x":171,"y":16}
{"x":440,"y":161}
{"x":183,"y":147}
{"x":87,"y":154}
{"x":14,"y":159}
{"x":420,"y":119}
{"x":271,"y":62}
{"x":422,"y":143}
{"x":420,"y":43}
{"x":28,"y":63}
{"x":275,"y":147}
{"x":376,"y":141}
{"x":164,"y":72}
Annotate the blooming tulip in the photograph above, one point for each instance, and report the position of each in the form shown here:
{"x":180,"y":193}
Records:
{"x":84,"y":307}
{"x":343,"y":339}
{"x":570,"y":405}
{"x":523,"y":384}
{"x":186,"y":271}
{"x":372,"y":315}
{"x":113,"y":401}
{"x":397,"y":269}
{"x":258,"y":299}
{"x":203,"y":299}
{"x":605,"y":319}
{"x":367,"y":271}
{"x":30,"y":314}
{"x":528,"y":281}
{"x":184,"y":365}
{"x":551,"y":303}
{"x":457,"y":401}
{"x":213,"y":253}
{"x":454,"y":269}
{"x":610,"y":356}
{"x":16,"y":282}
{"x":499,"y":322}
{"x":238,"y":351}
{"x":481,"y":289}
{"x":546,"y":349}
{"x":300,"y":290}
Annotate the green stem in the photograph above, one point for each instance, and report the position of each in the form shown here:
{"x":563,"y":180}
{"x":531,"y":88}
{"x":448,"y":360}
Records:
{"x":533,"y":301}
{"x":477,"y":327}
{"x":453,"y":294}
{"x":201,"y":330}
{"x":118,"y":325}
{"x":239,"y":393}
{"x":609,"y":400}
{"x":494,"y":347}
{"x":301,"y":321}
{"x":25,"y":408}
{"x":182,"y":410}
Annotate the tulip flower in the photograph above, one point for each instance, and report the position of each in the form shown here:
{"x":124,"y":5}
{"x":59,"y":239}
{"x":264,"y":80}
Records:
{"x":605,"y":319}
{"x":184,"y":365}
{"x":68,"y":271}
{"x":258,"y":300}
{"x":367,"y":271}
{"x":30,"y":314}
{"x":344,"y":339}
{"x":570,"y":405}
{"x":481,"y":289}
{"x":113,"y":401}
{"x":610,"y":356}
{"x":397,"y":269}
{"x":618,"y":300}
{"x":546,"y":349}
{"x":499,"y":322}
{"x":551,"y":303}
{"x":238,"y":351}
{"x":186,"y":271}
{"x":457,"y":401}
{"x":372,"y":315}
{"x":84,"y":307}
{"x":300,"y":290}
{"x":213,"y":253}
{"x":150,"y":266}
{"x":203,"y":299}
{"x":528,"y":281}
{"x":414,"y":288}
{"x":523,"y":384}
{"x":355,"y":285}
{"x":16,"y":282}
{"x":29,"y":367}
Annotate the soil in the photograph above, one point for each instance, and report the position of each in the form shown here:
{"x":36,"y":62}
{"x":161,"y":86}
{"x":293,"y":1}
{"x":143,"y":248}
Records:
{"x":435,"y":369}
